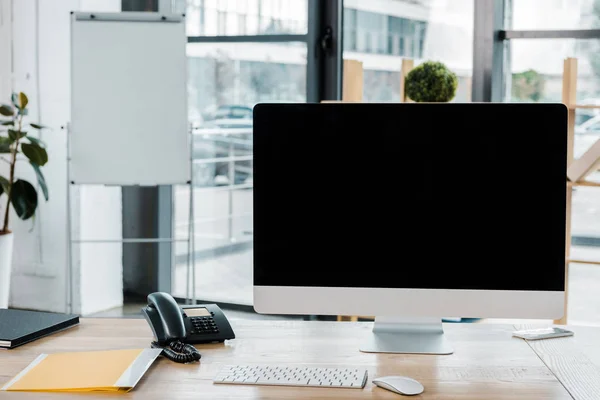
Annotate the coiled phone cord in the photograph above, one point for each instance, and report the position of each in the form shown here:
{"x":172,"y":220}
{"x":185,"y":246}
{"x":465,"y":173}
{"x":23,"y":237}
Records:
{"x":179,"y":352}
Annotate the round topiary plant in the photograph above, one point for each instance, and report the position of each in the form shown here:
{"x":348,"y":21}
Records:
{"x":430,"y":82}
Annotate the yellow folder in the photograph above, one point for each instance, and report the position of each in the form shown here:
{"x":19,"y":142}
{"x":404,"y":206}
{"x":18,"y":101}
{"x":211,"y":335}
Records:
{"x":111,"y":371}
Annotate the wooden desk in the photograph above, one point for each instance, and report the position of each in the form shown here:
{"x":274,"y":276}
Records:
{"x":487,"y":364}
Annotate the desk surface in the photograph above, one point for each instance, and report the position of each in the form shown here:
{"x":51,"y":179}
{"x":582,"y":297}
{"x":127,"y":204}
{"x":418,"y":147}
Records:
{"x":487,"y":363}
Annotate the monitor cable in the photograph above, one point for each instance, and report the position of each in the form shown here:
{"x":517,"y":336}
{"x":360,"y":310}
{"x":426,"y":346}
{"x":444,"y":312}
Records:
{"x":178,"y":351}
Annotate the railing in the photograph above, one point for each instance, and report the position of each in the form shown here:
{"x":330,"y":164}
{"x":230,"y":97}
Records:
{"x":213,"y":146}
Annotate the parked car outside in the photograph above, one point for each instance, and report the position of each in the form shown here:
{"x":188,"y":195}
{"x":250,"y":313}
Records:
{"x":227,"y":111}
{"x":586,"y":134}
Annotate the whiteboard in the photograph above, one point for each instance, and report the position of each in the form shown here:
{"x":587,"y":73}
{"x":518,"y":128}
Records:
{"x":129,"y":123}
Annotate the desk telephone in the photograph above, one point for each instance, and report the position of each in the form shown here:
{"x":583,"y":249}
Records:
{"x":178,"y":327}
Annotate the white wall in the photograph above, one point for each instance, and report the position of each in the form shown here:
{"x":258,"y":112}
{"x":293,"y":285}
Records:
{"x":5,"y":39}
{"x":41,"y":69}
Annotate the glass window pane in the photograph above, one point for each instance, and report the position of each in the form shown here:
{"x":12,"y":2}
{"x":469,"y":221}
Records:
{"x":138,"y":5}
{"x":225,"y":81}
{"x":536,"y":75}
{"x":536,"y":67}
{"x":245,"y":17}
{"x":381,"y":33}
{"x":552,"y":14}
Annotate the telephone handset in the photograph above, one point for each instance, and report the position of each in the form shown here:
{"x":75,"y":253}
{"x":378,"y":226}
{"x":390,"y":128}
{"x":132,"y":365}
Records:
{"x":178,"y":327}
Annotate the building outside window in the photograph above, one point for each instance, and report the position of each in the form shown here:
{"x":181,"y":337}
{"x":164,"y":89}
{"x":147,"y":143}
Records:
{"x":381,"y":34}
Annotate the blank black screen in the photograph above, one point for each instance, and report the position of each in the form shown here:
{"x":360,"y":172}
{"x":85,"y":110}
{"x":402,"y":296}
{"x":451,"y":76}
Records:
{"x":432,"y":196}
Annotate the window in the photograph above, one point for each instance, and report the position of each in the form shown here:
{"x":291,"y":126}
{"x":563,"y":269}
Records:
{"x":537,"y":69}
{"x":381,"y":33}
{"x":535,"y":74}
{"x":349,"y":29}
{"x":537,"y":43}
{"x":226,"y":79}
{"x":406,"y":37}
{"x":246,"y":17}
{"x":139,"y":5}
{"x":552,"y":15}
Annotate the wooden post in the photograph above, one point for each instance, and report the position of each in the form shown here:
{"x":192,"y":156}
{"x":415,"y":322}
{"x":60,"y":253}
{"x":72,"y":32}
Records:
{"x":569,"y":98}
{"x":407,"y":65}
{"x":586,"y":164}
{"x":352,"y":81}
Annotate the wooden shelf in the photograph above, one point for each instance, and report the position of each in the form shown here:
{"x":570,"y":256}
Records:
{"x":571,"y":260}
{"x":586,"y":183}
{"x":583,"y":106}
{"x":579,"y":169}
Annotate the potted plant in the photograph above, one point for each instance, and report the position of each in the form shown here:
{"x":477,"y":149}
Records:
{"x":431,"y":82}
{"x":17,"y":147}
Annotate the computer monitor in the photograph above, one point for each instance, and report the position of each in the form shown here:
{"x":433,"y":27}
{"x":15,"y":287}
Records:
{"x":410,"y":213}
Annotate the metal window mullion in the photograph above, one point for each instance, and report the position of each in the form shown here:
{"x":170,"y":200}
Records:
{"x":550,"y":34}
{"x":488,"y":51}
{"x":248,"y":39}
{"x":324,"y":69}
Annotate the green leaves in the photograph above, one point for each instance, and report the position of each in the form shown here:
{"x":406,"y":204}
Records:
{"x":7,"y":111}
{"x":23,"y":195}
{"x":24,"y":199}
{"x":3,"y":185}
{"x":431,"y":82}
{"x":41,"y":180}
{"x":20,"y":102}
{"x":37,"y":141}
{"x":35,"y":153}
{"x":23,"y":100}
{"x":5,"y":144}
{"x":16,"y":135}
{"x":528,"y":85}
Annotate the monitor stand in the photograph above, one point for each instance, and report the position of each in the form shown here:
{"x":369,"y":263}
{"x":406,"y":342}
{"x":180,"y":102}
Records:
{"x":408,"y":336}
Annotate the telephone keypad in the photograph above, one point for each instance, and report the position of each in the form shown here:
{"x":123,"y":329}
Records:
{"x":203,"y":325}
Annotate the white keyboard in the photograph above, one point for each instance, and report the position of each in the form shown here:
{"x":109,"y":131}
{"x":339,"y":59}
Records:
{"x":279,"y":375}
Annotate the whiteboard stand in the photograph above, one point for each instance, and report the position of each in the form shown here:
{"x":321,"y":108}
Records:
{"x":144,"y":88}
{"x":191,"y":257}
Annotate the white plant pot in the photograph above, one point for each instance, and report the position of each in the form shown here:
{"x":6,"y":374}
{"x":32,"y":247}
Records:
{"x":6,"y":251}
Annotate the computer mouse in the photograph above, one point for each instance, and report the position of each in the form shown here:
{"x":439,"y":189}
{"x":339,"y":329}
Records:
{"x":399,"y":384}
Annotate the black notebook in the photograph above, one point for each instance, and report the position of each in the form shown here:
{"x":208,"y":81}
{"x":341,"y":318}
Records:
{"x":18,"y":327}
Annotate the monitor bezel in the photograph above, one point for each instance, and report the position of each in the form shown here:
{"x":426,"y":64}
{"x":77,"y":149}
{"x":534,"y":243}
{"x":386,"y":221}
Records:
{"x":296,"y":300}
{"x":411,"y":302}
